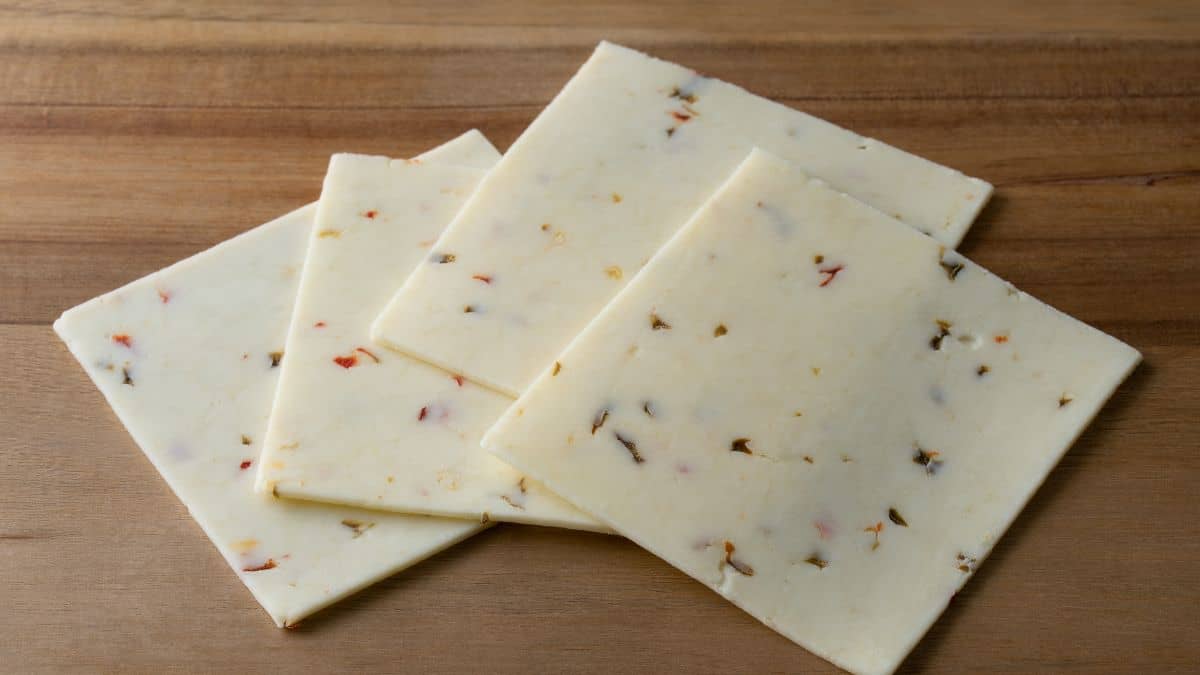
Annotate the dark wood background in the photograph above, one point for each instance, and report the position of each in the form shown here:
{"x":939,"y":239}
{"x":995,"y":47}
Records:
{"x":133,"y":134}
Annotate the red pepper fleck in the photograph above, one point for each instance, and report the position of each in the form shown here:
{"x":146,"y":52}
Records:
{"x":631,"y":447}
{"x":935,"y":343}
{"x":830,"y":273}
{"x":928,"y":459}
{"x":371,"y":214}
{"x":740,"y":567}
{"x":246,"y":464}
{"x":364,"y":350}
{"x":482,"y":277}
{"x":269,"y":565}
{"x":817,"y":561}
{"x":346,"y":361}
{"x":424,"y":412}
{"x":319,"y":324}
{"x":1001,"y":339}
{"x":952,"y":269}
{"x":824,"y":529}
{"x":123,"y":340}
{"x":676,"y":92}
{"x":680,"y":116}
{"x":876,"y":529}
{"x":598,"y":422}
{"x":358,"y":526}
{"x":164,"y":296}
{"x":457,"y":379}
{"x":741,"y":445}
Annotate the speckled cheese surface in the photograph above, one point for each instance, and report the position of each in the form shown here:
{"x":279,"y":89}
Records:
{"x":188,"y":358}
{"x":818,"y":412}
{"x":356,"y":424}
{"x":601,"y":179}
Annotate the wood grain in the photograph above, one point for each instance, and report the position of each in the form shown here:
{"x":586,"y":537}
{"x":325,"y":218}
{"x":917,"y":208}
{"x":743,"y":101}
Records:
{"x":134,"y":134}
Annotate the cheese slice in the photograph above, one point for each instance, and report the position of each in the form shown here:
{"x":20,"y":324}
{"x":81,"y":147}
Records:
{"x":600,"y":180}
{"x":356,"y":424}
{"x":188,"y":358}
{"x":823,"y":415}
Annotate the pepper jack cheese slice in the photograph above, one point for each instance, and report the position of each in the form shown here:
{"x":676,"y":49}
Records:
{"x":356,"y":424}
{"x":605,"y":175}
{"x":188,"y":358}
{"x":823,"y":415}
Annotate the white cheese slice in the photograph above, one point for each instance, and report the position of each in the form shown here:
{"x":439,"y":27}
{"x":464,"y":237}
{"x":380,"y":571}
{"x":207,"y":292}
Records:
{"x":820,"y":413}
{"x":600,"y":180}
{"x":188,"y":359}
{"x":355,"y":424}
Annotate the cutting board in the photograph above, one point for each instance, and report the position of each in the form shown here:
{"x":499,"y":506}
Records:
{"x":134,"y":134}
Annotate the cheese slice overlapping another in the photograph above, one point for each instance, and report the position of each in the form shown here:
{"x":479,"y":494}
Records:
{"x":357,"y":424}
{"x":188,"y":358}
{"x":822,"y":414}
{"x":601,"y":179}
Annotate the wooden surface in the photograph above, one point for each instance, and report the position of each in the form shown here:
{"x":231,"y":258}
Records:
{"x":132,"y":135}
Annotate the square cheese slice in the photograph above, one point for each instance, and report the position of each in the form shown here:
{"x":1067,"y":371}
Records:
{"x":602,"y":178}
{"x":356,"y":424}
{"x":824,"y":415}
{"x":188,"y":358}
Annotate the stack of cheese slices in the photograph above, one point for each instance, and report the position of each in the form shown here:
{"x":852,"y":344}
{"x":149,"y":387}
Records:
{"x":734,"y":333}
